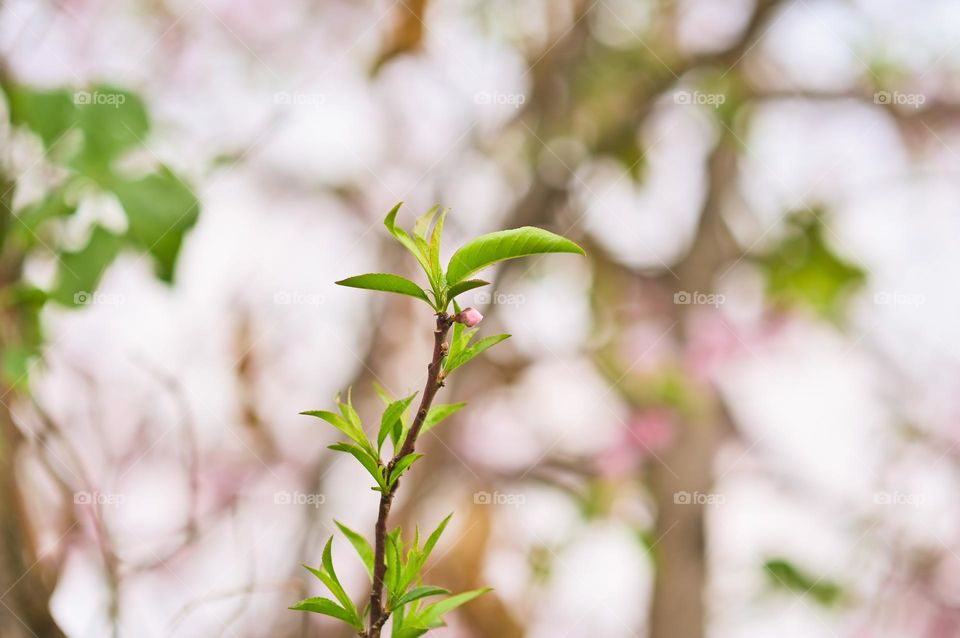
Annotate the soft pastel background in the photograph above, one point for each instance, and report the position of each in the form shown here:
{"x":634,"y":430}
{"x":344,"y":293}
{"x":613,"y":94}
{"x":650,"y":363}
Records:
{"x":738,"y":417}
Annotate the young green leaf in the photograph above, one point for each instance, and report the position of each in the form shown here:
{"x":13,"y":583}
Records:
{"x":432,"y":540}
{"x":328,"y":576}
{"x":402,"y":237}
{"x":344,"y":425}
{"x":438,"y":413}
{"x":422,"y":224}
{"x":386,"y":282}
{"x":420,"y":592}
{"x":464,"y":286}
{"x":327,"y":607}
{"x":361,"y":545}
{"x":435,"y":234}
{"x":394,"y":562}
{"x":463,"y":357}
{"x":366,"y":460}
{"x":505,"y":244}
{"x":402,"y":466}
{"x":432,"y":616}
{"x":391,"y":417}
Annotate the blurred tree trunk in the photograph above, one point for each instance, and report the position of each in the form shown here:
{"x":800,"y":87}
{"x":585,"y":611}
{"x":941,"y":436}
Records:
{"x":678,"y":607}
{"x":24,"y":595}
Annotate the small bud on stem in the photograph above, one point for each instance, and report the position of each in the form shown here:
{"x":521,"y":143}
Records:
{"x":469,"y":317}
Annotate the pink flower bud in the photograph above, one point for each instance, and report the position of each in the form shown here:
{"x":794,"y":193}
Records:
{"x":469,"y":317}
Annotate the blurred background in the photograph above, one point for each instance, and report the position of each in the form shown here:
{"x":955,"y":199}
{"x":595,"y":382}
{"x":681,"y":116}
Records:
{"x":738,"y":417}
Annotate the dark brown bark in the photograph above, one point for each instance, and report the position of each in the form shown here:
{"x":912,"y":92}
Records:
{"x":378,"y":615}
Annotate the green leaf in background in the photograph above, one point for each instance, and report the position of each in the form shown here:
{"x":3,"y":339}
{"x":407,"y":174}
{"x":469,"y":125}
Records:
{"x":454,"y":362}
{"x":438,"y":413}
{"x":502,"y":245}
{"x":160,"y":209}
{"x":463,"y":286}
{"x":326,"y":607}
{"x":79,"y":272}
{"x":785,"y":575}
{"x":804,"y":271}
{"x":386,"y":282}
{"x":361,"y":545}
{"x":113,"y":121}
{"x":48,"y":113}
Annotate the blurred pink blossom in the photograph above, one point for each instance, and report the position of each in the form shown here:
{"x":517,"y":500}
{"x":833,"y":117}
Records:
{"x":647,"y":433}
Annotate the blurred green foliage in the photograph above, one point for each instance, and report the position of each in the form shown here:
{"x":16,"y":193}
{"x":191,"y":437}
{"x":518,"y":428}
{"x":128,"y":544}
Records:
{"x":803,"y":271}
{"x":85,"y":135}
{"x":782,"y":574}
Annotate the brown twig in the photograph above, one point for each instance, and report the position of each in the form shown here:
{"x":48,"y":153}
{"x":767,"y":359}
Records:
{"x":378,"y":615}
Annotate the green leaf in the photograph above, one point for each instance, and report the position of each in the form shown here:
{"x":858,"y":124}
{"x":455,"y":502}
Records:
{"x":464,"y":286}
{"x":361,"y":545}
{"x":113,"y":121}
{"x":420,"y":592}
{"x":401,"y":236}
{"x":394,"y":562}
{"x":367,"y":461}
{"x":784,"y":574}
{"x":160,"y":209}
{"x":432,"y":540}
{"x":422,"y":224}
{"x":402,"y":466}
{"x":48,"y":113}
{"x":408,"y":632}
{"x":328,"y":576}
{"x":505,"y":244}
{"x":386,"y":282}
{"x":344,"y":425}
{"x":391,"y":417}
{"x":326,"y":607}
{"x":434,"y":252}
{"x":804,"y":271}
{"x":432,"y":616}
{"x":487,"y":342}
{"x":438,"y":413}
{"x":79,"y":272}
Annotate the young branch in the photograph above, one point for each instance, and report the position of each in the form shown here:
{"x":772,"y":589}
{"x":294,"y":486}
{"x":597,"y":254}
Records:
{"x":378,"y":615}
